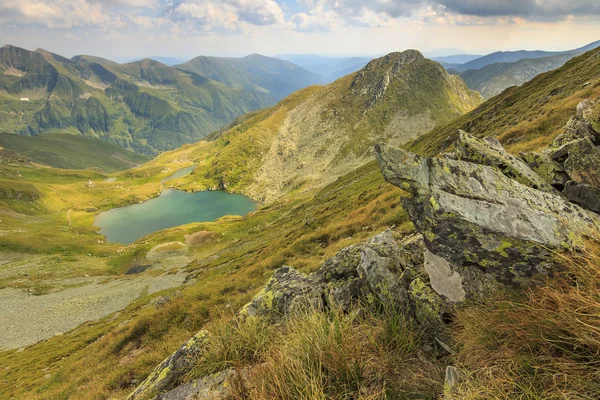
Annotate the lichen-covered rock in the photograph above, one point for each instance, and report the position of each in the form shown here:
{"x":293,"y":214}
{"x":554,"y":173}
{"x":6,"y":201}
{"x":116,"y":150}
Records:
{"x":287,"y":291}
{"x":372,"y":271}
{"x":429,"y":307}
{"x":491,"y":153}
{"x":583,"y":194}
{"x":543,"y":165}
{"x":168,"y":372}
{"x":583,"y":162}
{"x":486,"y":225}
{"x":212,"y":387}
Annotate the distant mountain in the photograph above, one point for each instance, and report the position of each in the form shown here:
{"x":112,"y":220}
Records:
{"x":170,"y":61}
{"x":72,"y":151}
{"x":513,"y":56}
{"x":145,"y":106}
{"x":331,"y":68}
{"x":322,"y":132}
{"x":495,"y":78}
{"x":271,"y":76}
{"x":457,"y":58}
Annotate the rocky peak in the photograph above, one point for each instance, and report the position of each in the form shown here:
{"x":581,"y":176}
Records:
{"x":374,"y":79}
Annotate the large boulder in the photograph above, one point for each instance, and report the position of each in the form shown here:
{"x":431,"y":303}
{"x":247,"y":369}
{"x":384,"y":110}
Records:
{"x":480,"y":226}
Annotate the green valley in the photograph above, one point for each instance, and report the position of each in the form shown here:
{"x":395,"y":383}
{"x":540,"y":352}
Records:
{"x":293,"y":300}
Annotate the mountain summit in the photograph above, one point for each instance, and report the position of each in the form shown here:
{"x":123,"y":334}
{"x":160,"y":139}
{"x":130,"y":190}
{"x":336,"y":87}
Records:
{"x":320,"y":133}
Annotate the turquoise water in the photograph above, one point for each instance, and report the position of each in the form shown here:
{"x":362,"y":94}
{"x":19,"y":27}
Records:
{"x":172,"y":208}
{"x":179,"y":173}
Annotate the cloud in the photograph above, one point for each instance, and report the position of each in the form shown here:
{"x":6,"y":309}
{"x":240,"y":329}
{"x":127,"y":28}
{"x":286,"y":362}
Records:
{"x":460,"y":12}
{"x":227,"y":15}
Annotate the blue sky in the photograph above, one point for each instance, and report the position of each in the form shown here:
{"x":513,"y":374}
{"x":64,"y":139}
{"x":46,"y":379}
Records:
{"x":126,"y":29}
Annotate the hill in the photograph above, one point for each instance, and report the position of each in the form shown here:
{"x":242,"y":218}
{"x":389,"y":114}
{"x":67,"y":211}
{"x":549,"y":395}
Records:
{"x":513,"y":56}
{"x":72,"y":152}
{"x":144,"y":106}
{"x":277,"y":78}
{"x":320,"y":133}
{"x":495,"y":78}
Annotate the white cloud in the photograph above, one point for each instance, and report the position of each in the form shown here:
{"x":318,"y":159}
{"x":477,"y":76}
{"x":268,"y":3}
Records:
{"x":227,"y":15}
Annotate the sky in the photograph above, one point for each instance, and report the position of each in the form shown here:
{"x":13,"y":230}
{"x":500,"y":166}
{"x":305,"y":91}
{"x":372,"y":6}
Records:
{"x":128,"y":29}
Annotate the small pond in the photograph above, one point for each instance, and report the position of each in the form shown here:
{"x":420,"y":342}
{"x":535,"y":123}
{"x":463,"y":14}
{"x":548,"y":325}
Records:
{"x":172,"y":208}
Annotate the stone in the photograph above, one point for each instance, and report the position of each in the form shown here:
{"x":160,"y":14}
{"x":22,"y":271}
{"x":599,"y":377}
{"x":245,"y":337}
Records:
{"x":287,"y":291}
{"x":428,"y":306}
{"x":543,"y":165}
{"x":491,"y":153}
{"x":452,"y":379}
{"x":583,"y":162}
{"x":167,"y":374}
{"x":212,"y":387}
{"x":488,"y":227}
{"x":585,"y":195}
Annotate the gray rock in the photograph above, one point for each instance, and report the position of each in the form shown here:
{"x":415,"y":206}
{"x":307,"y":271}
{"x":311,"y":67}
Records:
{"x":583,"y":162}
{"x":585,"y":195}
{"x":487,"y":226}
{"x":543,"y":165}
{"x":212,"y":387}
{"x":453,"y":378}
{"x":166,"y":375}
{"x":491,"y":153}
{"x":287,"y":291}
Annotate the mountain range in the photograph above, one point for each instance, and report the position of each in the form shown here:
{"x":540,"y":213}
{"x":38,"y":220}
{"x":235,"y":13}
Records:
{"x":330,"y":68}
{"x":310,"y":159}
{"x":321,"y":132}
{"x":145,"y":106}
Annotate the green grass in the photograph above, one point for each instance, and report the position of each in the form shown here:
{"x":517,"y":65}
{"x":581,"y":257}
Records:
{"x":72,"y":151}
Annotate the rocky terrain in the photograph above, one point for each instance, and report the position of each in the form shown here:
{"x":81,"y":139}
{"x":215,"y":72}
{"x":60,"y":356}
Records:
{"x":485,"y":220}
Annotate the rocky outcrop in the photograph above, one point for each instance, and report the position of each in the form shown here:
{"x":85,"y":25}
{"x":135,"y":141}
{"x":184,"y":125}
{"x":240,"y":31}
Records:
{"x":481,"y":226}
{"x":377,"y":272}
{"x":380,"y":272}
{"x":572,"y":163}
{"x":172,"y":369}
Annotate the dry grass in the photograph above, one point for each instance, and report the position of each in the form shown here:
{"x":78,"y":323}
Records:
{"x":319,"y":355}
{"x":545,"y":345}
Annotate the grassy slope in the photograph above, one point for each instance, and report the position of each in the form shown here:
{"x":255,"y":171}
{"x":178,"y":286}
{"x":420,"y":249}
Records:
{"x":145,"y":106}
{"x":72,"y":152}
{"x":525,"y":117}
{"x":300,"y":231}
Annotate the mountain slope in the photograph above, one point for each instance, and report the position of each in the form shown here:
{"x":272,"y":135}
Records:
{"x":525,"y":117}
{"x":275,"y":77}
{"x":320,"y":133}
{"x":72,"y":152}
{"x":494,"y":78}
{"x":145,"y":106}
{"x":513,"y":56}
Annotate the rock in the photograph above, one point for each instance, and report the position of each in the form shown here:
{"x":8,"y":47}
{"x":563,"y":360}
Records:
{"x":374,"y":271}
{"x":211,"y":387}
{"x":583,"y":162}
{"x":583,"y":194}
{"x":576,"y":128}
{"x":428,"y":306}
{"x":453,"y":378}
{"x":491,"y":153}
{"x":543,"y":165}
{"x":166,"y":375}
{"x":287,"y":290}
{"x":487,"y":227}
{"x":583,"y":107}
